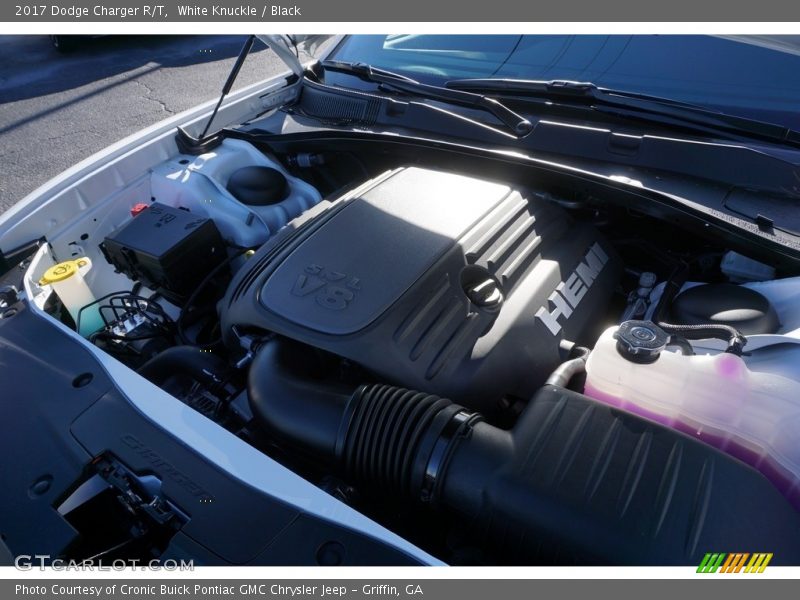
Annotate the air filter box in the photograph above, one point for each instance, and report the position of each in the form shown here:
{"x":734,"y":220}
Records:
{"x":166,"y":249}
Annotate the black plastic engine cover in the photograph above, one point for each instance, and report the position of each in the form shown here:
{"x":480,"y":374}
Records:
{"x":440,"y":282}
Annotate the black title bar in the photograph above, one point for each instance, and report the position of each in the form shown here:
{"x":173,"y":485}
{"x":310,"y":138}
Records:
{"x":459,"y":11}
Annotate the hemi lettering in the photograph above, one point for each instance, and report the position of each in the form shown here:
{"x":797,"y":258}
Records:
{"x":569,"y":293}
{"x":592,"y":264}
{"x":550,"y":318}
{"x":573,"y":290}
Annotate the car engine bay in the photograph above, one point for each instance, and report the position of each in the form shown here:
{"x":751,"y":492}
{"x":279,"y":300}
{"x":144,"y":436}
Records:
{"x":431,"y":342}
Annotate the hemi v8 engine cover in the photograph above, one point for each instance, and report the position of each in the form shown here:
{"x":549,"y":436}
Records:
{"x":435,"y":281}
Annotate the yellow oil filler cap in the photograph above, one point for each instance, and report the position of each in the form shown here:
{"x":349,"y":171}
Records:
{"x":62,"y":271}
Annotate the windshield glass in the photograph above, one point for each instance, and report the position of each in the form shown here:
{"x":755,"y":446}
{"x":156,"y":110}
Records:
{"x":756,"y":77}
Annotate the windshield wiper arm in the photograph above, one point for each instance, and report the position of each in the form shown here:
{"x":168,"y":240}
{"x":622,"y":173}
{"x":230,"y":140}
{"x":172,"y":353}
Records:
{"x":517,"y":123}
{"x":638,"y":105}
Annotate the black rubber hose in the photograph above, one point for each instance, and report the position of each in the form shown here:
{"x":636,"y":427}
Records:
{"x":206,"y":368}
{"x":733,"y":336}
{"x":399,"y":439}
{"x":377,"y":433}
{"x":569,"y":369}
{"x":291,"y":404}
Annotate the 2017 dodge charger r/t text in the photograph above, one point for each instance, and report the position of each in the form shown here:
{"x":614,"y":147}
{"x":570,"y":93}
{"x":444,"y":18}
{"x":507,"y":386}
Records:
{"x":425,"y":299}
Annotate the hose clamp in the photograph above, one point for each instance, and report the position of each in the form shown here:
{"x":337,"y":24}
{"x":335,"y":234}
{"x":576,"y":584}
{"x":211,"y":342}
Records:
{"x":441,"y":452}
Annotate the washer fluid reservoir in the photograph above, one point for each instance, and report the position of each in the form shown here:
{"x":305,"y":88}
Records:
{"x":754,"y":416}
{"x":67,"y":281}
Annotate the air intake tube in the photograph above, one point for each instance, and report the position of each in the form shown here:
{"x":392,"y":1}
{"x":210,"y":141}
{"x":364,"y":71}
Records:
{"x":573,"y":482}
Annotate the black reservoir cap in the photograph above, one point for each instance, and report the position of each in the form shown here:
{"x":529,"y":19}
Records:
{"x":258,"y":186}
{"x":641,"y":341}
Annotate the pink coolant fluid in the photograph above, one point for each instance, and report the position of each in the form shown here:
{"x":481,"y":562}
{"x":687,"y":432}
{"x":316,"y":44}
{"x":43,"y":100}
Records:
{"x":752,"y":416}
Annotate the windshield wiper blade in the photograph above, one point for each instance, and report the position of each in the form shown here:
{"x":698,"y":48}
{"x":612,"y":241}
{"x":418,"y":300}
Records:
{"x":529,"y":86}
{"x":515,"y":122}
{"x":631,"y":104}
{"x":363,"y":70}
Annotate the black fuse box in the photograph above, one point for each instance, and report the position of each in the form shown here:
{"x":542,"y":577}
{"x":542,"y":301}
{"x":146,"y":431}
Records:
{"x":166,"y":249}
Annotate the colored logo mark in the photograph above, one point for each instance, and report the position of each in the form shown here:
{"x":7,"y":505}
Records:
{"x":734,"y":562}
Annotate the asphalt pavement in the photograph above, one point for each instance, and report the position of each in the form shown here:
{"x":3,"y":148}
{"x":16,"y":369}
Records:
{"x":56,"y":110}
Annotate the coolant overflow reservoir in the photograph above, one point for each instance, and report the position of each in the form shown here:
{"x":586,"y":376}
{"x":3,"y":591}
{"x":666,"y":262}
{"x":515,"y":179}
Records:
{"x":66,"y":279}
{"x":753,"y":416}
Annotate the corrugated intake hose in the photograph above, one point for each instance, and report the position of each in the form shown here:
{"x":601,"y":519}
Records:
{"x":398,"y":438}
{"x":574,"y":481}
